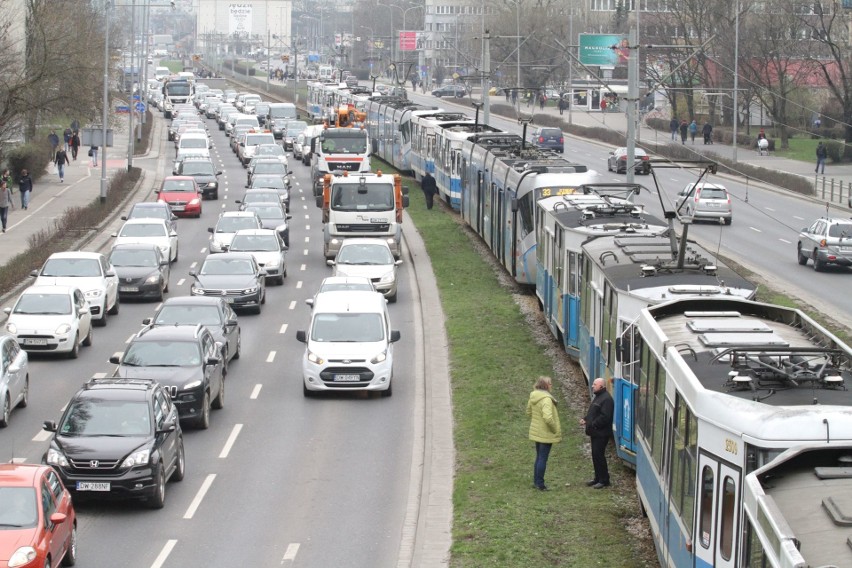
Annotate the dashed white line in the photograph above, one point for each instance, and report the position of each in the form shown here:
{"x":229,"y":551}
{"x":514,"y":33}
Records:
{"x":223,"y":206}
{"x":307,"y":239}
{"x":307,"y":227}
{"x":785,"y":241}
{"x":284,"y":326}
{"x":230,"y":441}
{"x":290,"y":553}
{"x":306,"y":252}
{"x":292,"y":305}
{"x":271,"y":357}
{"x":303,"y":267}
{"x":208,"y":481}
{"x":204,"y":250}
{"x":181,"y":281}
{"x":769,"y":208}
{"x":298,"y":284}
{"x":255,"y":392}
{"x":42,"y":436}
{"x":307,"y":216}
{"x":99,"y":376}
{"x":756,"y":230}
{"x":193,"y":265}
{"x":799,"y":218}
{"x":164,"y":553}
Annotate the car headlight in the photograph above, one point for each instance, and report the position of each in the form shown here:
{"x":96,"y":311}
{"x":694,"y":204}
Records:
{"x":153,"y":279}
{"x":213,"y":184}
{"x":161,"y":200}
{"x":281,"y":228}
{"x":380,"y":358}
{"x":285,"y":193}
{"x":139,"y":457}
{"x":192,"y":385}
{"x":94,"y":293}
{"x":315,"y":359}
{"x":274,"y":262}
{"x":12,"y":328}
{"x":389,"y":277}
{"x":63,"y":329}
{"x":197,"y":291}
{"x":250,"y":290}
{"x":22,"y":556}
{"x":195,"y":201}
{"x":55,"y":457}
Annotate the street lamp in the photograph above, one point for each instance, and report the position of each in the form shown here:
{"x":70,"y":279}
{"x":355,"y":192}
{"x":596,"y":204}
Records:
{"x":405,"y":12}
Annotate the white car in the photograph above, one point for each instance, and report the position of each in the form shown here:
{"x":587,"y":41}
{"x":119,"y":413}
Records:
{"x":53,"y":319}
{"x":149,"y":231}
{"x":268,"y":249}
{"x":371,"y":258}
{"x":227,"y":226}
{"x":14,"y":378}
{"x":91,"y":272}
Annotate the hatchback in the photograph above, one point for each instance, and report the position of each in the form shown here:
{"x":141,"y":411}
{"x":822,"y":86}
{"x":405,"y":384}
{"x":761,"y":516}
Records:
{"x":14,"y":378}
{"x":617,"y":161}
{"x":708,"y":201}
{"x":91,"y":272}
{"x":371,"y":258}
{"x":142,"y":269}
{"x":549,"y":139}
{"x":182,"y":194}
{"x":235,"y":276}
{"x":826,"y":241}
{"x":149,"y":231}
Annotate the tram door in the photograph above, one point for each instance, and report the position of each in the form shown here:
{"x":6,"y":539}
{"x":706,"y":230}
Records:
{"x":718,"y":513}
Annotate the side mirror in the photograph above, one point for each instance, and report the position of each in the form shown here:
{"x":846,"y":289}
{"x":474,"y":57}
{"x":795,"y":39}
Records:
{"x":219,"y":173}
{"x":301,"y":336}
{"x":329,"y":262}
{"x":124,"y":217}
{"x":262,"y":272}
{"x":212,"y":361}
{"x":397,"y":262}
{"x":49,"y":425}
{"x":34,"y":273}
{"x":84,"y":310}
{"x":58,"y":518}
{"x":157,"y":191}
{"x":167,"y":427}
{"x":173,"y":234}
{"x":211,"y":229}
{"x":7,"y":311}
{"x":405,"y":190}
{"x":405,"y":201}
{"x":310,"y":302}
{"x":147,"y":321}
{"x":115,"y":359}
{"x":287,"y":217}
{"x":164,"y":263}
{"x":394,"y":336}
{"x":231,"y":323}
{"x":110,"y":273}
{"x":193,"y":273}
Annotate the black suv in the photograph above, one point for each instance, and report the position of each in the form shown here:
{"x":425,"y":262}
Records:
{"x":204,"y":172}
{"x":186,"y":360}
{"x":118,"y":439}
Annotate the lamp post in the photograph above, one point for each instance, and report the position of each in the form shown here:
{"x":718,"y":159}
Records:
{"x":736,"y":77}
{"x":103,"y":194}
{"x":405,"y":12}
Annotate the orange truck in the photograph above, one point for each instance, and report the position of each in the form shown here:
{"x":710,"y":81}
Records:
{"x":362,"y":205}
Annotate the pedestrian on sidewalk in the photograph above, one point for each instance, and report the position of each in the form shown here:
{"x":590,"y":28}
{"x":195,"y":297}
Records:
{"x":61,"y":160}
{"x":75,"y":145}
{"x":25,"y":184}
{"x":562,"y":104}
{"x":66,"y":136}
{"x":5,"y":203}
{"x":542,"y":99}
{"x":93,"y":153}
{"x":821,"y":155}
{"x":430,"y":188}
{"x":514,"y":97}
{"x":53,"y":138}
{"x":673,"y":125}
{"x":693,"y":130}
{"x":545,"y":428}
{"x":708,"y":132}
{"x":683,"y":128}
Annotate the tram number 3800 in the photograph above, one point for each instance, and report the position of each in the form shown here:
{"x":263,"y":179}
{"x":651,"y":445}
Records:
{"x":731,"y":446}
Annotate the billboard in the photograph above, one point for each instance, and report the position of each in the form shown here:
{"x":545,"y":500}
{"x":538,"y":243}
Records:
{"x":605,"y":50}
{"x":239,"y":19}
{"x":412,"y":41}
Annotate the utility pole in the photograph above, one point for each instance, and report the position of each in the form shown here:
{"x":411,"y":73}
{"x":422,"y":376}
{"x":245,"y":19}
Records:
{"x":570,"y":68}
{"x":486,"y":76}
{"x":132,"y":103}
{"x":105,"y":117}
{"x":632,"y":100}
{"x":268,"y":63}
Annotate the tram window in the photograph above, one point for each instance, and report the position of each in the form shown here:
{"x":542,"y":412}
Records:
{"x":659,"y":415}
{"x":705,"y":527}
{"x":572,"y":273}
{"x":728,"y":518}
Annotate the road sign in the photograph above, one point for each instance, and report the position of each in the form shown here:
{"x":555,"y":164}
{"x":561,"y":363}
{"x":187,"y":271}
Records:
{"x":136,"y":97}
{"x":140,"y":107}
{"x":122,"y":109}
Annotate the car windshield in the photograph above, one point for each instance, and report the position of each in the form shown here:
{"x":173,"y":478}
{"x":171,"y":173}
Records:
{"x":551,"y":132}
{"x":282,"y":112}
{"x":258,"y":139}
{"x":193,"y":143}
{"x":347,"y":327}
{"x":149,"y":213}
{"x":100,"y":417}
{"x":344,"y":144}
{"x":178,"y":185}
{"x":840,"y":231}
{"x":188,"y":315}
{"x":72,"y":267}
{"x":234,"y":224}
{"x":267,"y":211}
{"x":162,"y":354}
{"x":364,"y":254}
{"x":271,"y":167}
{"x":355,"y":197}
{"x":143,"y":230}
{"x":260,"y":197}
{"x":713,"y":193}
{"x":347,"y":287}
{"x":198,"y":168}
{"x":17,"y":507}
{"x":133,"y":257}
{"x":267,"y":181}
{"x":294,"y":128}
{"x":43,"y":304}
{"x":269,"y":150}
{"x":227,"y":266}
{"x":252,"y":243}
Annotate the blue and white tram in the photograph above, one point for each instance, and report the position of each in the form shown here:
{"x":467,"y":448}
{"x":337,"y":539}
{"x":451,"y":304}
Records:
{"x":390,"y":129}
{"x":447,"y":155}
{"x":424,"y":126}
{"x":719,"y":387}
{"x":319,"y":101}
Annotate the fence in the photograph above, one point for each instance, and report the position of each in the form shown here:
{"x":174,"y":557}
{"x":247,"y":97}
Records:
{"x":833,"y":190}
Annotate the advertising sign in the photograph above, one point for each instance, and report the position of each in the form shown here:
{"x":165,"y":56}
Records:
{"x":239,"y":19}
{"x":603,"y":50}
{"x":407,"y":41}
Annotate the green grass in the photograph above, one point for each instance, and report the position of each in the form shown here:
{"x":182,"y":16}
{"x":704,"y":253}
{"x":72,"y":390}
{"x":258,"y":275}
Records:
{"x":803,"y":149}
{"x":174,"y":65}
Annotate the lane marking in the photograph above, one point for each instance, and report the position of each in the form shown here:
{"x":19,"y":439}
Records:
{"x":303,"y":267}
{"x":292,"y":305}
{"x":799,"y":218}
{"x":271,"y":357}
{"x":181,"y":281}
{"x":99,"y":376}
{"x":307,"y":216}
{"x":194,"y":264}
{"x":306,"y":252}
{"x":785,"y":241}
{"x":42,"y":436}
{"x":223,"y":206}
{"x":204,"y":250}
{"x":199,"y":496}
{"x":307,"y":227}
{"x":284,"y":327}
{"x":769,"y":208}
{"x":255,"y":392}
{"x":164,"y":553}
{"x":307,"y":239}
{"x":298,"y":284}
{"x":290,"y":553}
{"x":755,"y":229}
{"x":230,"y":442}
{"x":19,"y":460}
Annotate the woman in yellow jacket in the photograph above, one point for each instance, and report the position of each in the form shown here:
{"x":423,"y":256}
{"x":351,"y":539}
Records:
{"x":545,"y":429}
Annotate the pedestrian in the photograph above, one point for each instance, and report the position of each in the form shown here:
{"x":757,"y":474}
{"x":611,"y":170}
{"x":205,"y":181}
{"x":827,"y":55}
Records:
{"x":93,"y":153}
{"x":25,"y":184}
{"x":821,"y":155}
{"x":542,"y":99}
{"x":707,"y":130}
{"x":673,"y":125}
{"x":53,"y":138}
{"x":545,"y":429}
{"x":683,"y":128}
{"x":817,"y":122}
{"x":7,"y":177}
{"x":66,"y":136}
{"x":61,"y":160}
{"x":5,"y":203}
{"x":693,"y":130}
{"x":75,"y":125}
{"x":598,"y":425}
{"x":75,"y":145}
{"x":430,"y":188}
{"x":603,"y":106}
{"x":514,"y":97}
{"x":506,"y":92}
{"x":561,"y":105}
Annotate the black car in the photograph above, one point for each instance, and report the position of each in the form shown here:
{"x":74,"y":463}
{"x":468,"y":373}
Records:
{"x":261,"y":110}
{"x":234,"y":276}
{"x":186,"y":360}
{"x":265,"y":195}
{"x":213,"y":313}
{"x":153,"y":210}
{"x":205,"y":173}
{"x":142,"y":270}
{"x":291,"y":130}
{"x":118,"y":439}
{"x":276,"y":182}
{"x":272,"y":216}
{"x":457,"y":91}
{"x":266,"y":166}
{"x":548,"y":138}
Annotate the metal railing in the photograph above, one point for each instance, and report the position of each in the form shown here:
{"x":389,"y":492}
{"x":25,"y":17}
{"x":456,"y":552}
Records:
{"x":833,"y":190}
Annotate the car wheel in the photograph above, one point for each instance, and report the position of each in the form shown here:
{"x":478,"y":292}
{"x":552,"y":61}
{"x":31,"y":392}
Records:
{"x":392,"y":298}
{"x":7,"y":412}
{"x":307,"y":393}
{"x":100,"y":322}
{"x":216,"y":196}
{"x":177,"y":252}
{"x":115,"y":307}
{"x":729,"y":220}
{"x":281,"y":280}
{"x":88,"y":339}
{"x":219,"y":401}
{"x":180,"y":469}
{"x":389,"y":392}
{"x":158,"y":497}
{"x":203,"y":420}
{"x":75,"y":349}
{"x":819,"y":265}
{"x":803,"y":260}
{"x":608,"y":167}
{"x":70,"y":558}
{"x":25,"y":396}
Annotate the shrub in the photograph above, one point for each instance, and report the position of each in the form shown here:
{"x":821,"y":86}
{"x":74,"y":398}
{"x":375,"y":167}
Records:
{"x":33,"y":157}
{"x":838,"y":151}
{"x":658,"y":124}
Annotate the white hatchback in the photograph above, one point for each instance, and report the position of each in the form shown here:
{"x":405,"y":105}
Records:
{"x":53,"y":319}
{"x":371,"y":258}
{"x":149,"y":231}
{"x":91,"y":272}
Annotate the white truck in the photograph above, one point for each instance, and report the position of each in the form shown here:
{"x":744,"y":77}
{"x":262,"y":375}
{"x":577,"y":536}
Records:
{"x":339,"y":150}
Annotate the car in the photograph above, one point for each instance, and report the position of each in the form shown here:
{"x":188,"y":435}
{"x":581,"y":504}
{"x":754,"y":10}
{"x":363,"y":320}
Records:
{"x":272,"y":216}
{"x":91,"y":272}
{"x":118,"y":438}
{"x":267,"y":166}
{"x":298,"y":145}
{"x":193,"y":144}
{"x":270,"y":151}
{"x":153,"y":210}
{"x":54,"y":319}
{"x":213,"y":313}
{"x":186,"y":360}
{"x":182,"y":195}
{"x":38,"y":523}
{"x":827,"y":241}
{"x":617,"y":161}
{"x":279,"y":114}
{"x":240,"y":119}
{"x":348,"y":344}
{"x":371,"y":258}
{"x":142,"y":269}
{"x":292,"y":128}
{"x":343,"y":283}
{"x":249,"y":142}
{"x":261,"y":110}
{"x":457,"y":91}
{"x":203,"y":172}
{"x":706,"y":201}
{"x":236,"y":276}
{"x":14,"y":378}
{"x":268,"y":249}
{"x":281,"y":185}
{"x":226,"y":227}
{"x":311,"y":133}
{"x":266,"y":195}
{"x":548,"y":138}
{"x":239,"y":133}
{"x":149,"y":231}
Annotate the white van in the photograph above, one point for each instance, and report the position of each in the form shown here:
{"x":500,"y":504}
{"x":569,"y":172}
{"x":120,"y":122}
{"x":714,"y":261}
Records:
{"x":162,"y":73}
{"x":241,"y":119}
{"x":348,"y":345}
{"x":193,"y":144}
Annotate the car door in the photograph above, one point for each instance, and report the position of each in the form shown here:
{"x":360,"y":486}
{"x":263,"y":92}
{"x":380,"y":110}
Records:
{"x":51,"y":533}
{"x":230,"y":328}
{"x":165,"y":441}
{"x":213,"y":373}
{"x":12,"y":373}
{"x":62,"y":501}
{"x":813,"y":236}
{"x":82,"y":312}
{"x":111,"y":282}
{"x":173,"y":243}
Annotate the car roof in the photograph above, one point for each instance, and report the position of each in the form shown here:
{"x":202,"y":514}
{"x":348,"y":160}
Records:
{"x":135,"y":246}
{"x":20,"y":474}
{"x":76,"y":254}
{"x":257,"y":232}
{"x":706,"y":185}
{"x":329,"y":280}
{"x":355,"y":301}
{"x":169,"y":332}
{"x":193,"y":300}
{"x":364,"y":241}
{"x":145,"y":221}
{"x":236,"y":214}
{"x":116,"y":388}
{"x":179,"y":178}
{"x":48,"y":289}
{"x":231,"y":256}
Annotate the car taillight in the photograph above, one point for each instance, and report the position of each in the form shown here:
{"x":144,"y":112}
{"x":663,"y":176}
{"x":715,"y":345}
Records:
{"x":541,"y":138}
{"x":561,"y":140}
{"x":644,"y":158}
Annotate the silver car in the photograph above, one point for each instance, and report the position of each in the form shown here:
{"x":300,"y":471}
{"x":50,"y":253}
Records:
{"x":370,"y":258}
{"x":707,"y":201}
{"x":827,"y":241}
{"x":14,"y":378}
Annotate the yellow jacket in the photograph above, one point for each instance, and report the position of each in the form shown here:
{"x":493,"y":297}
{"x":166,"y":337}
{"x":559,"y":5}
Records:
{"x":545,"y":426}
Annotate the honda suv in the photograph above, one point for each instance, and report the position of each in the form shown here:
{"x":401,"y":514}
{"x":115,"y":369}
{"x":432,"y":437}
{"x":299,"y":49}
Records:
{"x":186,"y":360}
{"x":827,"y":241}
{"x":707,"y":201}
{"x":118,"y":438}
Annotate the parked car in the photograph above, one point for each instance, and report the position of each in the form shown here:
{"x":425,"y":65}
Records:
{"x":617,"y":161}
{"x":182,"y":195}
{"x":14,"y":378}
{"x":457,"y":91}
{"x":548,"y":138}
{"x":236,"y":276}
{"x":827,"y":241}
{"x":371,"y":258}
{"x":91,"y":272}
{"x":142,"y":269}
{"x":706,"y":201}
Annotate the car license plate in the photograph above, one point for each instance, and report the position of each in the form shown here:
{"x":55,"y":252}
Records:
{"x":128,"y":289}
{"x":347,"y":378}
{"x":35,"y":341}
{"x":93,"y":486}
{"x":178,"y":207}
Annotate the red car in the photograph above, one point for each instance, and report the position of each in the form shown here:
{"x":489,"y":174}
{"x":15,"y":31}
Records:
{"x":182,"y":195}
{"x":38,"y":525}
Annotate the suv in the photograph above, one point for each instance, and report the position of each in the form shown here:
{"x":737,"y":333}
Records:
{"x":348,"y":344}
{"x":827,"y":241}
{"x":204,"y":172}
{"x":706,"y":201}
{"x":118,"y":438}
{"x":548,"y":138}
{"x":186,"y":360}
{"x":457,"y":91}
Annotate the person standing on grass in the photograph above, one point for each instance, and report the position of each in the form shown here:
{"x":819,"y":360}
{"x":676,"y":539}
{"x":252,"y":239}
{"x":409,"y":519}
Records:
{"x":61,"y":160}
{"x":5,"y":203}
{"x":598,"y":425}
{"x":430,"y":188}
{"x":821,"y":155}
{"x":693,"y":130}
{"x":545,"y":429}
{"x":25,"y":183}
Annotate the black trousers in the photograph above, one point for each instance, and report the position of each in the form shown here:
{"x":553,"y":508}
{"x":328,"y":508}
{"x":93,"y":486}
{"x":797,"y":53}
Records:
{"x":599,"y":459}
{"x":430,"y":199}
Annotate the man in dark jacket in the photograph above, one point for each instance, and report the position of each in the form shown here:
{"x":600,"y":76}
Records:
{"x":708,"y":132}
{"x":673,"y":126}
{"x":25,"y":183}
{"x":598,"y":423}
{"x":430,"y":188}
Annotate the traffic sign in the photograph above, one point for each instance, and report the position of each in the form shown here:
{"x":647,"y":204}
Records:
{"x":140,"y":107}
{"x":122,"y":109}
